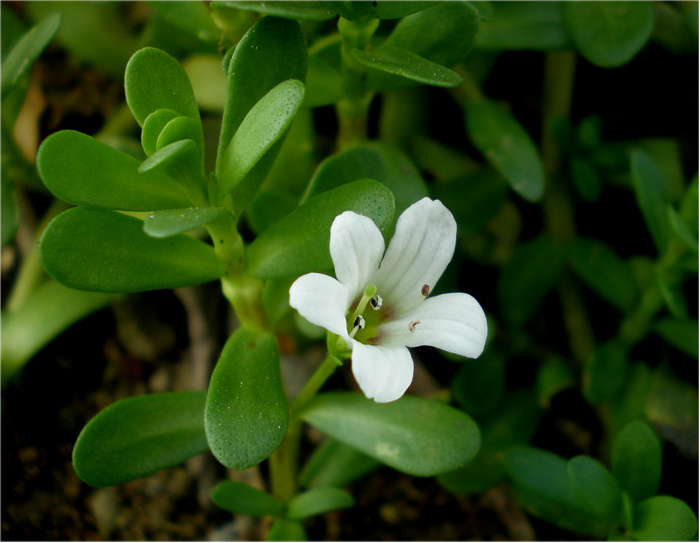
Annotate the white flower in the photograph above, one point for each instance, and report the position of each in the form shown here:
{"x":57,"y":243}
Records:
{"x":379,"y":302}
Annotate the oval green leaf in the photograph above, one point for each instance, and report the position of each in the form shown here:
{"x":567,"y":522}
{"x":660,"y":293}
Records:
{"x":598,"y":265}
{"x":663,"y":518}
{"x":154,"y":80}
{"x":636,"y":461}
{"x":650,"y":190}
{"x":181,"y":128}
{"x":609,"y":34}
{"x":413,"y":435}
{"x":243,"y":499}
{"x":299,"y":242}
{"x":302,"y":11}
{"x":393,"y":60}
{"x":508,"y":147}
{"x":542,"y":485}
{"x":247,"y":414}
{"x":597,"y":488}
{"x":263,"y":126}
{"x":443,"y":34}
{"x":22,"y":56}
{"x":272,"y":51}
{"x":138,"y":436}
{"x":104,"y":251}
{"x":83,"y":171}
{"x":153,"y":126}
{"x":168,"y":222}
{"x":283,"y":529}
{"x":318,"y":501}
{"x":375,"y":160}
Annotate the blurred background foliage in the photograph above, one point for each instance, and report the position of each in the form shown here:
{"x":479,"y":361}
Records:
{"x":568,"y":155}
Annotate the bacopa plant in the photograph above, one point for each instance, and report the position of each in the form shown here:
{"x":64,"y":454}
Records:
{"x":354,"y":255}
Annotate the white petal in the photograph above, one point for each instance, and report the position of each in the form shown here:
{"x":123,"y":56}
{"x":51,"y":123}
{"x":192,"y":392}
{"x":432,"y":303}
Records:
{"x":418,"y":254}
{"x":321,"y":300}
{"x":356,"y":247}
{"x":383,"y":373}
{"x":453,"y":322}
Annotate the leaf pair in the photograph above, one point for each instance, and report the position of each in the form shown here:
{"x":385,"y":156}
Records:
{"x":583,"y":495}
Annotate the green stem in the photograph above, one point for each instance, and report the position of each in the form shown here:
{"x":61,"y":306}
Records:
{"x":243,"y":292}
{"x":313,"y":385}
{"x":560,"y":68}
{"x":31,"y":273}
{"x":353,"y":108}
{"x":283,"y":462}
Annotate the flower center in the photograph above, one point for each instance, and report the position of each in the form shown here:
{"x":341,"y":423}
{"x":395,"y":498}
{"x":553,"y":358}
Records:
{"x":362,"y":323}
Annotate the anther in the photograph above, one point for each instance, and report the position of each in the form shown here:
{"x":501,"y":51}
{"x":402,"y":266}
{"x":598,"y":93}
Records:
{"x":412,"y":325}
{"x":376,"y":302}
{"x":425,"y":290}
{"x":357,"y":324}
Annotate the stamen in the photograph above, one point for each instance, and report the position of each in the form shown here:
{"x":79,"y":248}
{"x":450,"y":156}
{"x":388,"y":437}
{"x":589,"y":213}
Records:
{"x":367,"y":295}
{"x":412,"y":325}
{"x":376,"y":302}
{"x":425,"y":291}
{"x":358,"y":324}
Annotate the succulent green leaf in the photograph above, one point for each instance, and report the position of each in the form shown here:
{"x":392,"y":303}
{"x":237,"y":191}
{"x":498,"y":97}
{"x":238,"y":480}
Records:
{"x":154,"y":80}
{"x":138,"y":436}
{"x":681,"y":333}
{"x":597,"y":488}
{"x":535,"y":26}
{"x":598,"y":265}
{"x":443,"y":34}
{"x":243,"y":499}
{"x":527,"y":277}
{"x":283,"y":529}
{"x":104,"y":251}
{"x":49,"y":310}
{"x":318,"y":501}
{"x":152,"y":127}
{"x":334,"y":463}
{"x":542,"y":485}
{"x":414,"y":435}
{"x":180,"y":160}
{"x":375,"y":160}
{"x":272,"y":51}
{"x":609,"y":34}
{"x":169,"y":222}
{"x":403,"y":63}
{"x":663,"y":518}
{"x":247,"y":414}
{"x":84,"y":171}
{"x":636,"y":461}
{"x":606,"y":372}
{"x":299,"y":242}
{"x":263,"y":126}
{"x":22,"y":56}
{"x":649,"y":188}
{"x":291,"y":9}
{"x":181,"y":128}
{"x":508,"y":147}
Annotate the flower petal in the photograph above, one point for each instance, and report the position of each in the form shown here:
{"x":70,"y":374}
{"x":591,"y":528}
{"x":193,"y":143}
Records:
{"x":383,"y":373}
{"x":453,"y":322}
{"x":321,"y":300}
{"x":418,"y":254}
{"x":356,"y":247}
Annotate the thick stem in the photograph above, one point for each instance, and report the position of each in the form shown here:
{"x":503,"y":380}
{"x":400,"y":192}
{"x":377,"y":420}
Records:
{"x":353,"y":108}
{"x":243,"y":292}
{"x":283,"y":462}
